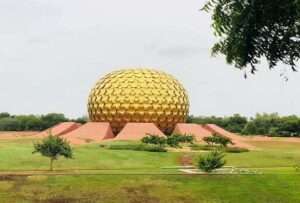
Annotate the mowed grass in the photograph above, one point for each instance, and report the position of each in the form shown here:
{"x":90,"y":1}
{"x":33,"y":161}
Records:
{"x":17,"y":155}
{"x":270,"y":154}
{"x":85,"y":179}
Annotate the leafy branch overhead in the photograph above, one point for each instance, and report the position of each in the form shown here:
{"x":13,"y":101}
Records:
{"x":249,"y":30}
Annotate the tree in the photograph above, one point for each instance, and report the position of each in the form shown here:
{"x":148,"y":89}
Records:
{"x":52,"y":119}
{"x":82,"y":120}
{"x":235,"y":123}
{"x":4,"y":115}
{"x":53,"y":147}
{"x":211,"y":161}
{"x":252,"y":29}
{"x":10,"y":124}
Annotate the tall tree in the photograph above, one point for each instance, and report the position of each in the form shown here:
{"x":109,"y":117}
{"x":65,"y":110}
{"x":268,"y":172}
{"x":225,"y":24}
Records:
{"x":252,"y":29}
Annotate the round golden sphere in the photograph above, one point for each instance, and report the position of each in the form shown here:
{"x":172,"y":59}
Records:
{"x":141,"y":96}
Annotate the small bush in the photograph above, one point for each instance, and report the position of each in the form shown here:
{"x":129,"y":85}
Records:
{"x":137,"y":147}
{"x":175,"y":140}
{"x":172,"y":141}
{"x":184,"y":138}
{"x":217,"y":139}
{"x":209,"y":140}
{"x":154,"y":139}
{"x":211,"y":161}
{"x":236,"y":149}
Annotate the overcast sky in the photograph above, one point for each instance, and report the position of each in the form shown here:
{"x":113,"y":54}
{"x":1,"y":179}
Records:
{"x":53,"y":51}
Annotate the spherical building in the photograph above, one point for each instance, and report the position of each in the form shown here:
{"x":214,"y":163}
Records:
{"x":138,"y":95}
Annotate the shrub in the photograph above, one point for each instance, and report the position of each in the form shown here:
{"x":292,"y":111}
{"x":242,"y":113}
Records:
{"x":224,"y":141}
{"x":217,"y":139}
{"x":236,"y":149}
{"x":154,"y":139}
{"x":175,"y":140}
{"x":137,"y":147}
{"x":209,"y":140}
{"x":211,"y":161}
{"x":184,"y":138}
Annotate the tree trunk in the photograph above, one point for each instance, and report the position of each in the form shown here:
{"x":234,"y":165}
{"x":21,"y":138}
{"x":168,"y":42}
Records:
{"x":51,"y":164}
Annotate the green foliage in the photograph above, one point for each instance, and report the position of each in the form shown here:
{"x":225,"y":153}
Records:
{"x":224,"y":141}
{"x":10,"y":124}
{"x":262,"y":124}
{"x":217,"y":139}
{"x":211,"y":161}
{"x":32,"y":122}
{"x":209,"y":140}
{"x":235,"y":123}
{"x":81,"y":120}
{"x":184,"y":138}
{"x":175,"y":140}
{"x":252,"y":29}
{"x":53,"y":147}
{"x":137,"y":147}
{"x":52,"y":119}
{"x":273,"y":125}
{"x":4,"y":115}
{"x":154,"y":139}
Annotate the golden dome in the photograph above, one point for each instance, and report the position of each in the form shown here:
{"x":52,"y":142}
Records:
{"x":138,"y":95}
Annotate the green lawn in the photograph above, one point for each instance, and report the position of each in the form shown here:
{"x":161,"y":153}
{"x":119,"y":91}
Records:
{"x":141,"y":176}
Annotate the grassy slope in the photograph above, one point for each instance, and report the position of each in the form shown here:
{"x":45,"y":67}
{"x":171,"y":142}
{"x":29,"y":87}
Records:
{"x":17,"y":155}
{"x":280,"y":185}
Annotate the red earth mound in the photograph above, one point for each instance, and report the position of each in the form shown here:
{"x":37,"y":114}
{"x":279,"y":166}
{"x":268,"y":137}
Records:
{"x":236,"y":139}
{"x":136,"y":131}
{"x":198,"y":131}
{"x":59,"y":129}
{"x":90,"y":132}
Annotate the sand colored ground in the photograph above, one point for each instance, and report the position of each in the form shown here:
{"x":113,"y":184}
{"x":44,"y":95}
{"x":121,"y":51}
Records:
{"x":90,"y":132}
{"x":261,"y":138}
{"x":136,"y":131}
{"x":60,"y":129}
{"x":8,"y":135}
{"x":198,"y":131}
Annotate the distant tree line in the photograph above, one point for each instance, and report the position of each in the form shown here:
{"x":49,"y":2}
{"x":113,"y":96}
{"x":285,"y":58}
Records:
{"x":33,"y":122}
{"x":261,"y":124}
